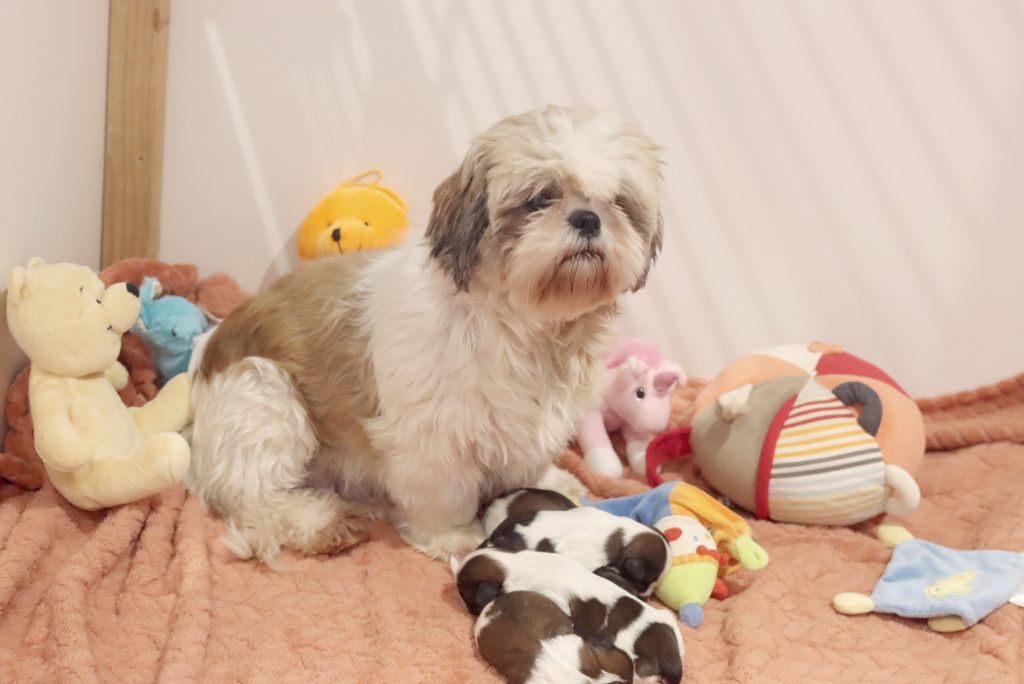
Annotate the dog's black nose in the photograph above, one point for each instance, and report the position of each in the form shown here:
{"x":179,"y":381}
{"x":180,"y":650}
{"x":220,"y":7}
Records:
{"x":586,"y":222}
{"x":336,"y":234}
{"x":133,"y":289}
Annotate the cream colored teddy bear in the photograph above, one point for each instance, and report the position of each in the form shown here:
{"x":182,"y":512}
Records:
{"x":97,"y":452}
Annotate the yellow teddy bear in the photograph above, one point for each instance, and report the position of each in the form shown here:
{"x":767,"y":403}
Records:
{"x":97,"y":452}
{"x":360,"y":214}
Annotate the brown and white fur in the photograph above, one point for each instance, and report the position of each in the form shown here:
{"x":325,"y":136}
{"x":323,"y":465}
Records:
{"x":424,"y":379}
{"x":528,"y":639}
{"x":602,"y":613}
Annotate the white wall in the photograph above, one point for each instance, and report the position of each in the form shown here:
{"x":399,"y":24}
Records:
{"x":847,"y":171}
{"x":53,"y":70}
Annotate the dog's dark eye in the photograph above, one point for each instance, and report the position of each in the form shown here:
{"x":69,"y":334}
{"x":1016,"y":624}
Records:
{"x":541,"y":201}
{"x":641,"y":393}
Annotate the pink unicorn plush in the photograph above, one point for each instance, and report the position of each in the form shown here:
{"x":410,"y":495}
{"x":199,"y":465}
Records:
{"x":637,"y":398}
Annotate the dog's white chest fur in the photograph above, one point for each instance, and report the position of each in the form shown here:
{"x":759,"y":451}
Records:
{"x":469,"y":382}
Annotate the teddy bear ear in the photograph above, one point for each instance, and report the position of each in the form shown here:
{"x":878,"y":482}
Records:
{"x":35,"y":261}
{"x":15,"y":285}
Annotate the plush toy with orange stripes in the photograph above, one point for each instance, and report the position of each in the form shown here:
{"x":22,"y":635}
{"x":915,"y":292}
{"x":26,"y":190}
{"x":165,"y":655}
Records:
{"x":805,"y":434}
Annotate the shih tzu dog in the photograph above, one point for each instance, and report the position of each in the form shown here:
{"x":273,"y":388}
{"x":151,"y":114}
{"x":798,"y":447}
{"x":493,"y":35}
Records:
{"x":420,"y":381}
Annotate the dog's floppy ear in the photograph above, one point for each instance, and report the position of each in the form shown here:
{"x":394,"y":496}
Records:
{"x":612,"y":575}
{"x":485,"y":593}
{"x":634,"y":569}
{"x":657,"y":236}
{"x":644,"y":214}
{"x":507,"y":537}
{"x":459,"y":218}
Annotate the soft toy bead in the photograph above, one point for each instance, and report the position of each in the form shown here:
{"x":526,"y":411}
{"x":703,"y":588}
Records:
{"x":804,"y":434}
{"x":360,"y":214}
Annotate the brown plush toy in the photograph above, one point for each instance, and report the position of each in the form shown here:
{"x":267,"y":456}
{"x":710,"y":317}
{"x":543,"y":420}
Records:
{"x":19,"y":463}
{"x":217,"y":294}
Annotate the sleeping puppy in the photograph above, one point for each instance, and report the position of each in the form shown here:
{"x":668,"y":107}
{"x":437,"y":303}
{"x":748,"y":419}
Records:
{"x":624,"y":551}
{"x":520,"y":502}
{"x":529,"y":640}
{"x":602,"y":613}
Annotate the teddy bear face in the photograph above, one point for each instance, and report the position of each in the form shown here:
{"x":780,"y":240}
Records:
{"x":66,"y":320}
{"x":352,"y":218}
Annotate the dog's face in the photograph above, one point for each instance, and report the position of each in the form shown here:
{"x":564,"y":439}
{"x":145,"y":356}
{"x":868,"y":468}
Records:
{"x":556,"y":209}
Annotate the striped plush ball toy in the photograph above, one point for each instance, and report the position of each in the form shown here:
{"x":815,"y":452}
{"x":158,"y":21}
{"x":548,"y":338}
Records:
{"x":804,"y":434}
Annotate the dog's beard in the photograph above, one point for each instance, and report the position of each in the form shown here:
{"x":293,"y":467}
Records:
{"x":583,"y":272}
{"x":562,"y":279}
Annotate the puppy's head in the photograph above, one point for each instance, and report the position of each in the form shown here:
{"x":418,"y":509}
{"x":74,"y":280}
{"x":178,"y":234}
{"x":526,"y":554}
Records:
{"x":641,"y":562}
{"x":556,"y":210}
{"x":481,"y":579}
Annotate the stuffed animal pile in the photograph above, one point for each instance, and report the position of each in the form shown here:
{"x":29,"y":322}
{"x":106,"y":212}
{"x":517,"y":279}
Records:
{"x":96,"y":452}
{"x":217,"y":295}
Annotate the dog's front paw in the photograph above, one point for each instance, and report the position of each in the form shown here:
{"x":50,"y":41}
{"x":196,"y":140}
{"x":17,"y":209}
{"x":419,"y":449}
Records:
{"x":455,"y":543}
{"x":561,"y":481}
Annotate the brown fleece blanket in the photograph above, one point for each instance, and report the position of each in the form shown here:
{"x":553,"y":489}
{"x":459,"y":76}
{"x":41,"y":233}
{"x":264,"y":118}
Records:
{"x":147,"y":592}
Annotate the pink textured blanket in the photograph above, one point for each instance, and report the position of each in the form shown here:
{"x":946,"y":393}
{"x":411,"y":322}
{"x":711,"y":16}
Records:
{"x":146,"y":592}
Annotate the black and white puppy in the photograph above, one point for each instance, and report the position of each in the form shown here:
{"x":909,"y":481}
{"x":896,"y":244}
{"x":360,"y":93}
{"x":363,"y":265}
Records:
{"x":602,"y":613}
{"x":520,"y":502}
{"x":624,"y":551}
{"x":528,"y":639}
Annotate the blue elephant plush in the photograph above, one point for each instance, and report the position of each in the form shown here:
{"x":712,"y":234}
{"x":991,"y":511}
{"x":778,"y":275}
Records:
{"x":168,"y":325}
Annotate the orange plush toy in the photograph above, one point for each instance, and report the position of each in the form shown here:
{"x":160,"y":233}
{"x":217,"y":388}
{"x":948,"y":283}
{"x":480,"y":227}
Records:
{"x":360,"y":214}
{"x":805,"y":434}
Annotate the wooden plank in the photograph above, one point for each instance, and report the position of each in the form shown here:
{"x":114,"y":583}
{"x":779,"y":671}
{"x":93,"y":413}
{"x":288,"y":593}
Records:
{"x":136,"y":97}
